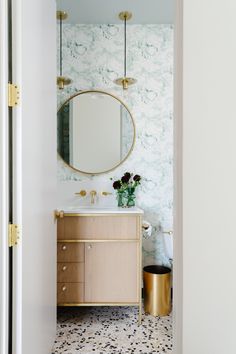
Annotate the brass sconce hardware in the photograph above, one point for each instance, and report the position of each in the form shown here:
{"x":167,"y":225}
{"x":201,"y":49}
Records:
{"x":62,"y":15}
{"x":62,"y":81}
{"x":106,"y":193}
{"x":58,"y":214}
{"x":93,"y":194}
{"x":82,"y":193}
{"x":125,"y":81}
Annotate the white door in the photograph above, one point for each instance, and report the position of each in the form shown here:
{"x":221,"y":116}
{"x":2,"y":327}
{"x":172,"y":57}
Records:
{"x":4,"y":214}
{"x":34,"y":176}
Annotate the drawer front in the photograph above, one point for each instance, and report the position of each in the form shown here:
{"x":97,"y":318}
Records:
{"x":70,"y":272}
{"x":68,"y":293}
{"x":70,"y":252}
{"x":99,"y":227}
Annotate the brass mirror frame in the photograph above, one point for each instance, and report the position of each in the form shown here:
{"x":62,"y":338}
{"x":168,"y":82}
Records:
{"x":133,"y":123}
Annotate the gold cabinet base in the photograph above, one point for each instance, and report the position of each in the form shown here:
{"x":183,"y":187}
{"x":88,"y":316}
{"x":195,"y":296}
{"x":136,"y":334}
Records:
{"x":157,"y":293}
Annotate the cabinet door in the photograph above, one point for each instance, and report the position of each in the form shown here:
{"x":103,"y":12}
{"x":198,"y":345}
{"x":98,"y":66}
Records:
{"x":112,"y":272}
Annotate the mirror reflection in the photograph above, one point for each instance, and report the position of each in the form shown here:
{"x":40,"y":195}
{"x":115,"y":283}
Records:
{"x":96,"y":132}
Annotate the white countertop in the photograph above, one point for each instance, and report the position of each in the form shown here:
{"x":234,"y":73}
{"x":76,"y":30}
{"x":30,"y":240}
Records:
{"x":100,"y":210}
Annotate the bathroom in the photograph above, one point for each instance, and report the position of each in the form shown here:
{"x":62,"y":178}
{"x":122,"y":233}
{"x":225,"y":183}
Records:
{"x":167,"y":201}
{"x":94,"y":50}
{"x":87,"y":182}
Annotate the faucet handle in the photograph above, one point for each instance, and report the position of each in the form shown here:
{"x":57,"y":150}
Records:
{"x":82,"y":193}
{"x":106,"y":193}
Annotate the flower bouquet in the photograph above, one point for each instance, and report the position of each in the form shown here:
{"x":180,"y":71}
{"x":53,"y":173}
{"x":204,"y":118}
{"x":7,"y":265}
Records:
{"x":125,"y":189}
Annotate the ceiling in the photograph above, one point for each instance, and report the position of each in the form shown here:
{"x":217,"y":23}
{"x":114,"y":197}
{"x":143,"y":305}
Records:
{"x":106,"y":11}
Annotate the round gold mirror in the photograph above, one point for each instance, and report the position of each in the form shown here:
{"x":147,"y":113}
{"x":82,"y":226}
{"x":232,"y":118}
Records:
{"x":96,"y":132}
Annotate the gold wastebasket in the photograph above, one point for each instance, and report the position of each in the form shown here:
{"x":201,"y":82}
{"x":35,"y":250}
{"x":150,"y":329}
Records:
{"x":157,"y":290}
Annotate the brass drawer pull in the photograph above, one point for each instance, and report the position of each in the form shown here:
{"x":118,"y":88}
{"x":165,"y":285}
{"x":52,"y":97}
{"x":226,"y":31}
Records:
{"x":63,"y":288}
{"x":64,"y":248}
{"x":64,"y":268}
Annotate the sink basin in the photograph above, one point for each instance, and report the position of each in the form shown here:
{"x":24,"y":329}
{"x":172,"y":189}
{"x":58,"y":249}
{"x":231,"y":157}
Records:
{"x":96,"y":209}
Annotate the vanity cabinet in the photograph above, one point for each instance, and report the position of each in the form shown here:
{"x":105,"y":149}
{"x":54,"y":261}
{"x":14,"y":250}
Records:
{"x":99,"y":259}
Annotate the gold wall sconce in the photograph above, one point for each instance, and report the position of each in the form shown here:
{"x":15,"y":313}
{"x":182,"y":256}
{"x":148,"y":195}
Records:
{"x":62,"y":81}
{"x":125,"y":81}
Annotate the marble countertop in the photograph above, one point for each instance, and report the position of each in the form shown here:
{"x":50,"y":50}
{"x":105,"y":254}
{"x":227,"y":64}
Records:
{"x":100,"y":210}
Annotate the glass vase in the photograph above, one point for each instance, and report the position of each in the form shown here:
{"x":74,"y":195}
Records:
{"x":120,"y":196}
{"x":130,"y":197}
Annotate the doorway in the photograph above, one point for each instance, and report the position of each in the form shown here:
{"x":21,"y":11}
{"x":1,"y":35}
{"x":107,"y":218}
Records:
{"x":51,"y":207}
{"x":150,"y":62}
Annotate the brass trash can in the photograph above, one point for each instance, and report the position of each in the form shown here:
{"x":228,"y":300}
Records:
{"x":157,"y":290}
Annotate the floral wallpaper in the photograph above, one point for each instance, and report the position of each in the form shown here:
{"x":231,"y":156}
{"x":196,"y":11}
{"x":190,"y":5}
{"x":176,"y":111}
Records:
{"x":93,"y":59}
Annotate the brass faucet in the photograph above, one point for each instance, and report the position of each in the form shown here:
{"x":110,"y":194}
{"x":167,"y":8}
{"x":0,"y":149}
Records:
{"x":93,"y":193}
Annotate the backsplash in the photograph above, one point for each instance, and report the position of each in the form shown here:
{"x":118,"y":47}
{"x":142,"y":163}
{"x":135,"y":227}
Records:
{"x":93,"y":59}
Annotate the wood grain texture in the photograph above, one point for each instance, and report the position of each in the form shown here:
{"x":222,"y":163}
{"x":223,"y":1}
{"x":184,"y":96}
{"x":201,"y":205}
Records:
{"x":111,"y":272}
{"x":70,"y":272}
{"x":74,"y":292}
{"x":104,"y":227}
{"x":70,"y":252}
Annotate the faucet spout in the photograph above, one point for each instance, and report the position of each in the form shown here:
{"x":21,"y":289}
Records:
{"x":93,"y":194}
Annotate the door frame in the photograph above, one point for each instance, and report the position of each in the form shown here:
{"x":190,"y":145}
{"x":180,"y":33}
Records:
{"x":178,"y":244}
{"x":178,"y":181}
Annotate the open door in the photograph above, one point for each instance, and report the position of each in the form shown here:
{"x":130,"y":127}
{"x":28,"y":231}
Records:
{"x":5,"y":311}
{"x":34,"y":176}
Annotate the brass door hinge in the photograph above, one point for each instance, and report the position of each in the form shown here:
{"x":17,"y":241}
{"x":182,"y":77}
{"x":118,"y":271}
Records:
{"x":13,"y":95}
{"x":13,"y":234}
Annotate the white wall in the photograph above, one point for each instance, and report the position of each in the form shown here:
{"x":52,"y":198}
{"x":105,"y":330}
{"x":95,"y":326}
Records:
{"x":38,"y":175}
{"x":209,"y":177}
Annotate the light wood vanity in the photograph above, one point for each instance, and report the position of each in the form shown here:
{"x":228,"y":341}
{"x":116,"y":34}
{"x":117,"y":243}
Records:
{"x":99,"y":258}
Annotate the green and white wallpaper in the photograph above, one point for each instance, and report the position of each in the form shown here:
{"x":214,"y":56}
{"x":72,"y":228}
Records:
{"x":93,"y":59}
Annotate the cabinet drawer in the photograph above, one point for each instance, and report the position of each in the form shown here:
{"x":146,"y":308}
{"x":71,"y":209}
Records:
{"x":104,"y":227}
{"x":70,"y":293}
{"x":70,"y":272}
{"x":70,"y":252}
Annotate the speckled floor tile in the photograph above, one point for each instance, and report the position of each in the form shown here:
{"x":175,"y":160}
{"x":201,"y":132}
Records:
{"x":113,"y":330}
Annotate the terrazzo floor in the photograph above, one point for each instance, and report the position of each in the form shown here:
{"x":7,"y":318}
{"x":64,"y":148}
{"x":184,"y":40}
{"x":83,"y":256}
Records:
{"x":113,"y":330}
